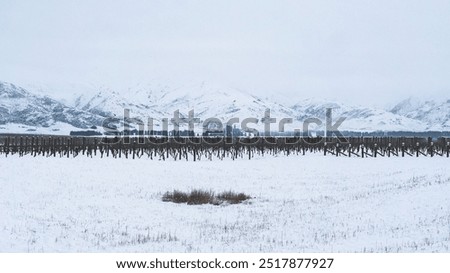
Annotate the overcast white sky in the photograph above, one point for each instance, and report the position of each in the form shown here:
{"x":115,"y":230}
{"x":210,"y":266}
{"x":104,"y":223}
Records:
{"x":360,"y":50}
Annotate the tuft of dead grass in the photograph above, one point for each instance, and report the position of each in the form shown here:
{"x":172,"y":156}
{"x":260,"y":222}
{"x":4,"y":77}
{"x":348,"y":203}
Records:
{"x":200,"y":197}
{"x":232,"y":197}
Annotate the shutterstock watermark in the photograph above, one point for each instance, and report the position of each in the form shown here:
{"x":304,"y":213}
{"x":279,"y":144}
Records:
{"x":184,"y":128}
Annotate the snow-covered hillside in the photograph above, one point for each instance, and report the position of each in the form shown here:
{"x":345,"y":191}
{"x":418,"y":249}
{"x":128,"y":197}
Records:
{"x":358,"y":118}
{"x":21,"y":108}
{"x":436,"y":114}
{"x":206,"y":100}
{"x":215,"y":101}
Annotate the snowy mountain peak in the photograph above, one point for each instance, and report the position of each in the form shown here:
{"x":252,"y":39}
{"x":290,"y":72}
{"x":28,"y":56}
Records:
{"x":9,"y":90}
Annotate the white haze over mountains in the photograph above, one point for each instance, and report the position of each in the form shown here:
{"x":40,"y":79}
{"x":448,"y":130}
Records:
{"x":357,"y":51}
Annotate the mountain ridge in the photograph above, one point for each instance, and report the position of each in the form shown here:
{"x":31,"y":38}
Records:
{"x":22,"y":107}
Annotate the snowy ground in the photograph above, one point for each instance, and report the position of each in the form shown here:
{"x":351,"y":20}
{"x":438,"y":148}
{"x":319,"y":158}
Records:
{"x":301,"y":204}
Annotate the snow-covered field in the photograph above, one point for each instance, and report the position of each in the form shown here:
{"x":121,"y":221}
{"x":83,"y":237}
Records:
{"x":301,"y":204}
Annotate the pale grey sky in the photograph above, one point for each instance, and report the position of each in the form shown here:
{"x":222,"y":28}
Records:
{"x":358,"y":50}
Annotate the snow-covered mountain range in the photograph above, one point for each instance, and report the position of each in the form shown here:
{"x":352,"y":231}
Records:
{"x":436,"y":114}
{"x":22,"y":110}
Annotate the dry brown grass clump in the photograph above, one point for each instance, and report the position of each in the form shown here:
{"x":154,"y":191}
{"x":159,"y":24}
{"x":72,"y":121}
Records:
{"x":199,"y":197}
